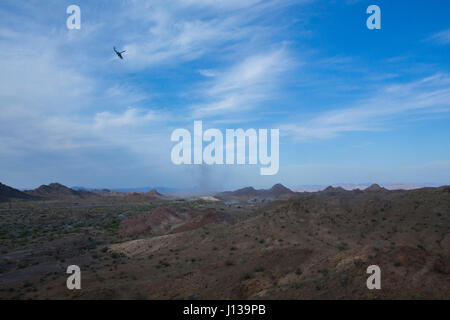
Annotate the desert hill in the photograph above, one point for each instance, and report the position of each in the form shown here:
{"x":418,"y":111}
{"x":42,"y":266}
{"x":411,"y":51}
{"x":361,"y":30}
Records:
{"x":334,"y":190}
{"x":275,"y":192}
{"x":171,"y":219}
{"x":56,"y":191}
{"x":375,"y":188}
{"x":8,"y":193}
{"x":154,"y":193}
{"x":138,"y":196}
{"x":316,"y":245}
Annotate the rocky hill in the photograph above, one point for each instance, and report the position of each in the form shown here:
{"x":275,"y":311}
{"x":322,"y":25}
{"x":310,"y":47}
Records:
{"x":9,"y":194}
{"x":375,"y":188}
{"x":275,"y":192}
{"x":56,"y":191}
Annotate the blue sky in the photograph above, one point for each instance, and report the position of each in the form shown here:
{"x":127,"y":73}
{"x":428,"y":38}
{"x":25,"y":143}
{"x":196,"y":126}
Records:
{"x":353,"y":105}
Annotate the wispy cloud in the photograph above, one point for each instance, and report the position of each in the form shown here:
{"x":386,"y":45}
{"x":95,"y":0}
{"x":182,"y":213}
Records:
{"x":130,"y":117}
{"x":388,"y":104}
{"x":442,"y":37}
{"x":243,"y":86}
{"x":185,"y":30}
{"x":208,"y":73}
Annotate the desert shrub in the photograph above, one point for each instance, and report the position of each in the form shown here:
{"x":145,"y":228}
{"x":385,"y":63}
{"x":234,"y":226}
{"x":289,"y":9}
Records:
{"x":229,"y":263}
{"x":115,"y":255}
{"x":22,"y":266}
{"x":247,"y":276}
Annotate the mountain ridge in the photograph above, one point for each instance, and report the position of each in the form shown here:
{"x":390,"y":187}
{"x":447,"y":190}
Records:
{"x":278,"y":190}
{"x":8,"y":193}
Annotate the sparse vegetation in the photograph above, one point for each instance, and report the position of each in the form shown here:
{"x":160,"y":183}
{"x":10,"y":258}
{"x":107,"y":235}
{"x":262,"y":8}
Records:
{"x":312,"y":245}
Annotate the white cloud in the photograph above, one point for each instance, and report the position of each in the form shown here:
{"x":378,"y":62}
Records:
{"x":391,"y":103}
{"x":169,"y":33}
{"x":442,"y":37}
{"x":208,"y":73}
{"x":123,"y":94}
{"x":130,"y":117}
{"x":246,"y":84}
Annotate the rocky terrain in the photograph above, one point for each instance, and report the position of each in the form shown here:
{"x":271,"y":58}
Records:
{"x":276,"y":192}
{"x":10,"y":194}
{"x":246,"y":244}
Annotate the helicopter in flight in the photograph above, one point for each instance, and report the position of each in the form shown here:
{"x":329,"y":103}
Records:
{"x":119,"y":53}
